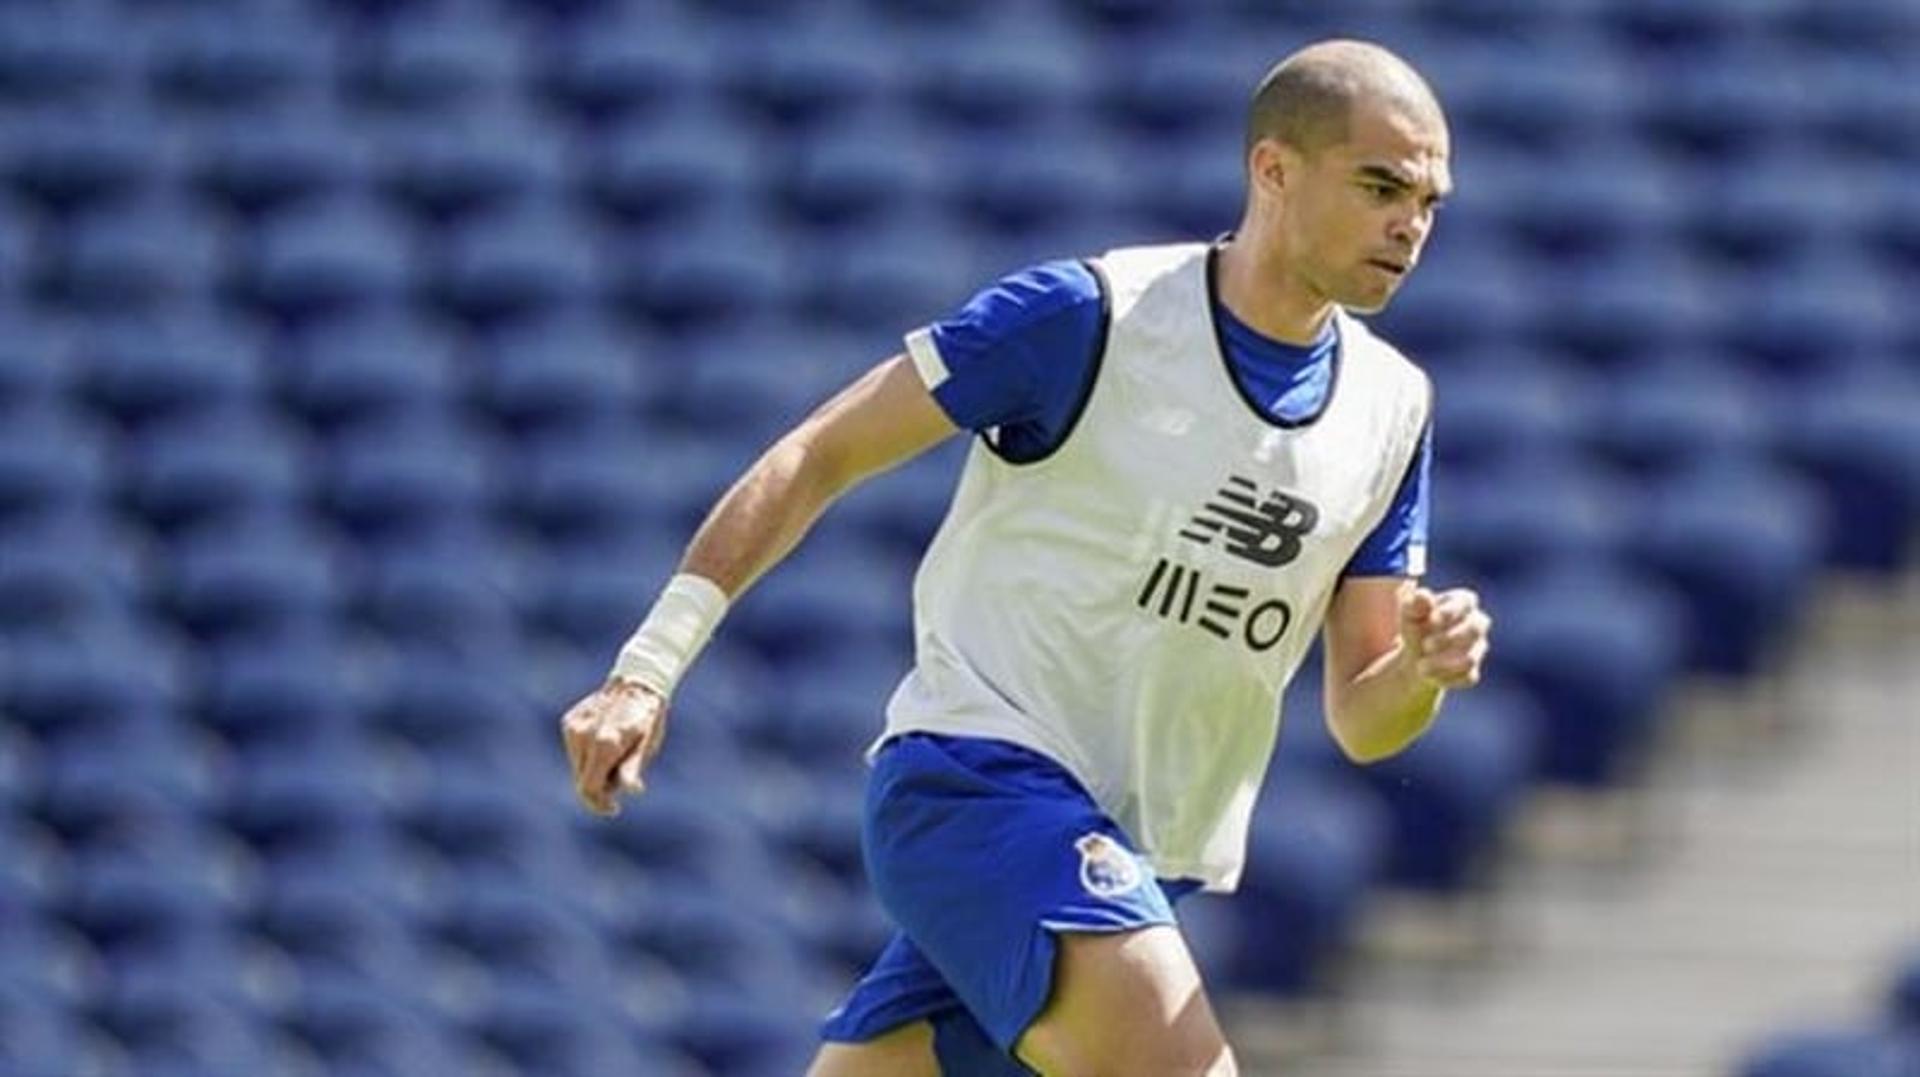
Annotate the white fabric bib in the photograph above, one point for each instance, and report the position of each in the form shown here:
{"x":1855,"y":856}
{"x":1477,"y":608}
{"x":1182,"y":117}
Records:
{"x":1133,"y":604}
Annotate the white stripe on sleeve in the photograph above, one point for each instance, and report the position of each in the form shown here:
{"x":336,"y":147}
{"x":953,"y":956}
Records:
{"x":926,"y":358}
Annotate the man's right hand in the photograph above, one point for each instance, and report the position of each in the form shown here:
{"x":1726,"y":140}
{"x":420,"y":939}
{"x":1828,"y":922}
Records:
{"x":611,"y":736}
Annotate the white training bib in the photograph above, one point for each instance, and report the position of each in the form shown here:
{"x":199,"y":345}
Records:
{"x":1133,"y":604}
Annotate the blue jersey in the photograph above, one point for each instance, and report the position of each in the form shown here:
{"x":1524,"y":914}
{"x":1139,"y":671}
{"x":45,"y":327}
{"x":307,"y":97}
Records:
{"x":1019,"y":354}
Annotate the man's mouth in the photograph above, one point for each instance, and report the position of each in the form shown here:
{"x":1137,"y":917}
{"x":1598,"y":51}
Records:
{"x":1398,"y":269}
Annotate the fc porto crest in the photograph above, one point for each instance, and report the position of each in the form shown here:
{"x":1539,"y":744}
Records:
{"x":1107,"y":869}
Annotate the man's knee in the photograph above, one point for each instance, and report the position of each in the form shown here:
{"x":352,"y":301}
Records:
{"x":903,"y":1052}
{"x":1173,"y":1053}
{"x":1125,"y":1005}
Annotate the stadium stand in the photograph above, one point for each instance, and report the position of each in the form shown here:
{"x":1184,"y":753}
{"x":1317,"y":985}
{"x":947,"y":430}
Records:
{"x":364,"y":363}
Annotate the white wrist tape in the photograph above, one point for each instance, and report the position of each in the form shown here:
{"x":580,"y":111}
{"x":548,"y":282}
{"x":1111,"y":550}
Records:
{"x":671,"y":637}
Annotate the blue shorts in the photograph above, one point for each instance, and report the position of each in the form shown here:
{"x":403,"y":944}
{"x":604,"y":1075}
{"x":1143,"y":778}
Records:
{"x":980,"y":851}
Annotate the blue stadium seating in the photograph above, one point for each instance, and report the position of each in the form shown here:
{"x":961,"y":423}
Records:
{"x":343,"y":256}
{"x":253,"y":167}
{"x":604,"y":70}
{"x":516,"y":265}
{"x":434,"y":65}
{"x":1833,"y":1053}
{"x":205,"y":469}
{"x":1319,"y":840}
{"x":364,"y":365}
{"x":136,"y":368}
{"x":380,"y":366}
{"x":50,"y":52}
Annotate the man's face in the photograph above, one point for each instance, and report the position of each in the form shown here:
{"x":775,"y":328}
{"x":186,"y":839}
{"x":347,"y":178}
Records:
{"x":1357,"y":213}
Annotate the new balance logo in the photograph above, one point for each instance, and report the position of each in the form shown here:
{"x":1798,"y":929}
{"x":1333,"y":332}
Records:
{"x":1178,"y":593}
{"x":1264,"y":530}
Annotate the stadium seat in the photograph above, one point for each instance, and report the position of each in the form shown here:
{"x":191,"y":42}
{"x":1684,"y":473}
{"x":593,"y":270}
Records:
{"x":712,"y":273}
{"x":1450,"y":795}
{"x":138,"y":368}
{"x":1741,"y":544}
{"x":686,"y":835}
{"x":101,"y":679}
{"x":453,"y":594}
{"x":270,"y":577}
{"x":1531,"y":512}
{"x":590,"y":596}
{"x":51,"y":460}
{"x":1318,"y":842}
{"x":526,"y":935}
{"x":42,"y":1036}
{"x":999,"y":81}
{"x":53,"y":53}
{"x":1794,"y":326}
{"x":746,"y":1036}
{"x":34,"y":366}
{"x":886,"y":284}
{"x":407,"y":478}
{"x":1462,"y":306}
{"x":1620,"y":308}
{"x":538,"y":1030}
{"x":376,"y":368}
{"x":122,"y":905}
{"x":324,"y":259}
{"x":193,"y":472}
{"x":285,"y":813}
{"x":363,"y":1027}
{"x":453,"y":709}
{"x":723,"y":383}
{"x":252,"y":167}
{"x":1598,"y":648}
{"x":16,"y":255}
{"x":1182,"y":84}
{"x":1054,"y":179}
{"x":474,"y":824}
{"x":1675,"y":409}
{"x":78,"y":158}
{"x":825,"y":606}
{"x":147,"y":799}
{"x":440,"y":169}
{"x":433,"y":65}
{"x":1857,"y":439}
{"x":218,"y":59}
{"x":604,"y":70}
{"x":154,"y":254}
{"x":568,"y":371}
{"x":1903,"y":995}
{"x":861,"y":171}
{"x":516,"y":265}
{"x":1833,"y":1053}
{"x":826,"y":66}
{"x":291,"y":689}
{"x":658,"y":169}
{"x":1710,"y":110}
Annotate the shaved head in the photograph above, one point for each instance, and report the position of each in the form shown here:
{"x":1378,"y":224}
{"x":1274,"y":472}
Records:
{"x":1308,"y":99}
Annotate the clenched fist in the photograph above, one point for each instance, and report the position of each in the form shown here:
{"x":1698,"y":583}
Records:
{"x":1446,"y":634}
{"x":611,"y":736}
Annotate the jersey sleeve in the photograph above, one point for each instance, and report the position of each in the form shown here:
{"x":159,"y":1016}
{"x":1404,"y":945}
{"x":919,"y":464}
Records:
{"x":1016,"y":351}
{"x":1398,"y":544}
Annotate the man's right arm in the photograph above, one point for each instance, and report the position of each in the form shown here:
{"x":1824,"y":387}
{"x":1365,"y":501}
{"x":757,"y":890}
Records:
{"x":883,"y":419}
{"x":886,"y":417}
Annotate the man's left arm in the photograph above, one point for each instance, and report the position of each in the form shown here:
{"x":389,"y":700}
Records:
{"x":1394,"y":649}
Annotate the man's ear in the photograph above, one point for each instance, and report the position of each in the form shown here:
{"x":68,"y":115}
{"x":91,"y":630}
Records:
{"x":1271,"y":164}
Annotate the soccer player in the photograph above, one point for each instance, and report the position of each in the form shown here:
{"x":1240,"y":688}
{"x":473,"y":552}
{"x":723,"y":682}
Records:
{"x":1189,"y":459}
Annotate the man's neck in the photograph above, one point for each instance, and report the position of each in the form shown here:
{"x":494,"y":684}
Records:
{"x":1265,"y":295}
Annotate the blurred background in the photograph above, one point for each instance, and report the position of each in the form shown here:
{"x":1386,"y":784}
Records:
{"x":364,"y":365}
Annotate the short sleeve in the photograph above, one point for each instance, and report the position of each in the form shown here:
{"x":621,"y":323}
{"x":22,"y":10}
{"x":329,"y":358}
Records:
{"x":1017,"y":353}
{"x":1398,"y":544}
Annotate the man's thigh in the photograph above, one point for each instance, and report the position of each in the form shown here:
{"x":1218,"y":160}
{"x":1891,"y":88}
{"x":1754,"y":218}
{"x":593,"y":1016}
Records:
{"x":905,"y":1052}
{"x":1126,"y":1003}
